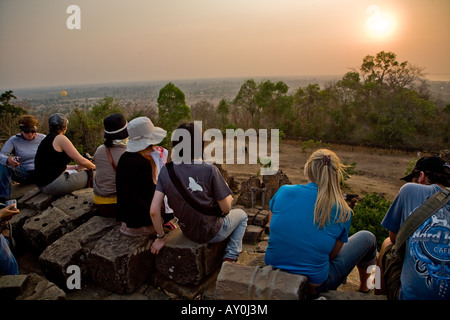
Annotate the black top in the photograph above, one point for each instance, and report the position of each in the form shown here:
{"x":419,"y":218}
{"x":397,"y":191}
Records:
{"x":135,"y":190}
{"x":49,"y":164}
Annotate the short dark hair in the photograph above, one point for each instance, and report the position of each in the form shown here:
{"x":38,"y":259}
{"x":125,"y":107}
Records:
{"x":190,"y":127}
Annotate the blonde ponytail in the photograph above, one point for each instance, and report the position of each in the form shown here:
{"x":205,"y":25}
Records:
{"x":324,"y":169}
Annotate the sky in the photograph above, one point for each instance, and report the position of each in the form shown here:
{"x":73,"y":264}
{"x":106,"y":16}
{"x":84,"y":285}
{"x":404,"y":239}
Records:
{"x":145,"y":40}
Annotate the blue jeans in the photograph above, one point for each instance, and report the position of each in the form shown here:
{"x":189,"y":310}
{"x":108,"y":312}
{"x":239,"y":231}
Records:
{"x":8,"y":174}
{"x":234,"y":225}
{"x":8,"y":264}
{"x":360,"y":251}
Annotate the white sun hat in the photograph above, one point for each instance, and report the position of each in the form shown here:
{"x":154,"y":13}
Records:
{"x":143,"y":133}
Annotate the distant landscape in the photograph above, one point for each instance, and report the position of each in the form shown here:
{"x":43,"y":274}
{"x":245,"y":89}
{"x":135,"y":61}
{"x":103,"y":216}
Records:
{"x":141,"y":95}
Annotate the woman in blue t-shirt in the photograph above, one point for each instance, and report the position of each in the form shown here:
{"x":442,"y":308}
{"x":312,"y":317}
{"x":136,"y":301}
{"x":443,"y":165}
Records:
{"x":309,"y":227}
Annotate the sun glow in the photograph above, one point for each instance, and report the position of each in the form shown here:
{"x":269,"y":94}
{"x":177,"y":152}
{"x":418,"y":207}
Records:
{"x":379,"y":24}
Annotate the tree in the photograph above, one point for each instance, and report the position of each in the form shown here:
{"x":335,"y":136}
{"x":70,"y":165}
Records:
{"x":172,"y":108}
{"x":245,"y":98}
{"x":204,"y":111}
{"x":85,"y":128}
{"x":309,"y":103}
{"x":384,"y":69}
{"x":9,"y":115}
{"x":266,"y":102}
{"x":223,"y":111}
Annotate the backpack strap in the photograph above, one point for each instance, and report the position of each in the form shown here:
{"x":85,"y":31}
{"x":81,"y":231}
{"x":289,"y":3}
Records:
{"x":419,"y":216}
{"x":111,"y":160}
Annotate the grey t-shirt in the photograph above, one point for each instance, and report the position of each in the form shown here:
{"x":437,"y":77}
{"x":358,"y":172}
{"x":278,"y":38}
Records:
{"x":206,"y":185}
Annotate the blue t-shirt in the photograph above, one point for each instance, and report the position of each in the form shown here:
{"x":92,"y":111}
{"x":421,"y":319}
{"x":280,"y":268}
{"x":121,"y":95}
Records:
{"x":426,"y":267}
{"x":296,"y":244}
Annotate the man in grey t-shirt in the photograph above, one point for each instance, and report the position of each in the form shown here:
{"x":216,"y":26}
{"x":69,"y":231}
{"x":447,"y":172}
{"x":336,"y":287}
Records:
{"x":205,"y":185}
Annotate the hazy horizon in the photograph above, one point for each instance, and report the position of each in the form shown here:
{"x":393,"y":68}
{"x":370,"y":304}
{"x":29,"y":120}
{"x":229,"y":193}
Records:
{"x":157,"y":40}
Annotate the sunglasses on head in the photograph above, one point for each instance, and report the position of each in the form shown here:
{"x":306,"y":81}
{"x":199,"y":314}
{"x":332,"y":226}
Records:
{"x":28,"y":130}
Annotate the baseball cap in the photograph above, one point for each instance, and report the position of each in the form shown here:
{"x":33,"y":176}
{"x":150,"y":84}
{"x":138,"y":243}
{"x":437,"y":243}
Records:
{"x":433,"y":164}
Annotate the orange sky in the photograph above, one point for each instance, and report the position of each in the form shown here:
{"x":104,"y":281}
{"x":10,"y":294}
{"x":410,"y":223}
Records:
{"x":139,"y":40}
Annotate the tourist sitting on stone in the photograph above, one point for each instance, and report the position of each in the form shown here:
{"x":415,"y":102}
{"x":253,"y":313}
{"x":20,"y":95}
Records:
{"x":136,"y":177}
{"x":106,"y":158}
{"x":17,"y":156}
{"x":52,"y":160}
{"x":424,"y":272}
{"x":309,"y":227}
{"x":202,"y":188}
{"x":8,"y":264}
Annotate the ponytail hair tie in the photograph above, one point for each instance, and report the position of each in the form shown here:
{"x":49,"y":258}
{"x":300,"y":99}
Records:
{"x":326,"y":160}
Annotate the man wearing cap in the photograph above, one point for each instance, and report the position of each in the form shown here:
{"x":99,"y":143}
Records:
{"x":17,"y":156}
{"x":136,"y":177}
{"x":106,"y":158}
{"x":425,"y":271}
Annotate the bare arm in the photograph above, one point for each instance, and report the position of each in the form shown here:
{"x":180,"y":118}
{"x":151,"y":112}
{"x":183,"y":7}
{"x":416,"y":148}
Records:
{"x":337,"y":247}
{"x":155,"y":215}
{"x":225,"y":204}
{"x":392,"y":236}
{"x":62,"y":143}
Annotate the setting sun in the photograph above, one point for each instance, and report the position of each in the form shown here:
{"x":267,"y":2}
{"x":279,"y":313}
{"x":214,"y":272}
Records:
{"x":379,"y":24}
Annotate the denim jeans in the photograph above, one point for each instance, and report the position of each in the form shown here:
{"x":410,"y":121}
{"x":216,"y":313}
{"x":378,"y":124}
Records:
{"x":8,"y":174}
{"x":66,"y":183}
{"x":360,"y":251}
{"x":234,"y":225}
{"x":8,"y":264}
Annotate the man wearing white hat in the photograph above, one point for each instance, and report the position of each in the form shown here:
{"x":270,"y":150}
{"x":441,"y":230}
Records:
{"x":136,"y":177}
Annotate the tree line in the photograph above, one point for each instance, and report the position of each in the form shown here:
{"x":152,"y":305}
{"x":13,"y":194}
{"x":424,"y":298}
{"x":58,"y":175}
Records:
{"x":384,"y":103}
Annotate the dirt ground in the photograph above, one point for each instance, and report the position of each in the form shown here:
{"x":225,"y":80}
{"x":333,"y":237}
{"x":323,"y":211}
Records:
{"x":377,"y":170}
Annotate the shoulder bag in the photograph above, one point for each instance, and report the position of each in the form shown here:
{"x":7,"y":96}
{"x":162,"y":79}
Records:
{"x":418,"y":217}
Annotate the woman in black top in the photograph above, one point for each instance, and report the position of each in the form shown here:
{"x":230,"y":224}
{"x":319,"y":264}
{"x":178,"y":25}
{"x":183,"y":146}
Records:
{"x":54,"y":154}
{"x":136,"y":177}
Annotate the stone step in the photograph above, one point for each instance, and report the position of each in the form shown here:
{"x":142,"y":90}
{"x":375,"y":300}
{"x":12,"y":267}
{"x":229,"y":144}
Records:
{"x":188,"y":262}
{"x":74,"y":248}
{"x":241,"y":282}
{"x":29,"y":287}
{"x":121,"y":263}
{"x":64,"y":215}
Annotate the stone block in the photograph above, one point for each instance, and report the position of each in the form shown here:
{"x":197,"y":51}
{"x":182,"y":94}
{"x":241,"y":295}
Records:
{"x":17,"y":222}
{"x":39,"y":288}
{"x":252,"y":234}
{"x":261,"y":218}
{"x":240,"y":282}
{"x":79,"y":205}
{"x":46,"y":227}
{"x":11,"y":286}
{"x":29,"y":287}
{"x":74,"y":248}
{"x":19,"y":190}
{"x":36,"y":199}
{"x":121,"y":263}
{"x":188,"y":262}
{"x":65,"y":215}
{"x":251,"y":214}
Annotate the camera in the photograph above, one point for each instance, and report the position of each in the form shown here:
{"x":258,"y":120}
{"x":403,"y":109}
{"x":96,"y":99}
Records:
{"x":10,"y":202}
